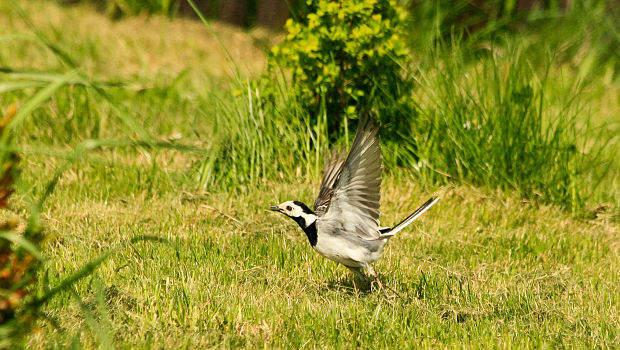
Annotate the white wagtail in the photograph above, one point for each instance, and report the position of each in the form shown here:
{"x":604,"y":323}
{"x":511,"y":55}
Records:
{"x":344,"y":226}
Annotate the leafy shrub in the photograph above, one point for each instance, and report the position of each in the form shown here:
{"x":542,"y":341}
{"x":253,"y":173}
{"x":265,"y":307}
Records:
{"x":345,"y":58}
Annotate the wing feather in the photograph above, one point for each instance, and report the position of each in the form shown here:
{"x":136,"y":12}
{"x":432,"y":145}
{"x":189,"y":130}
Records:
{"x":331,"y":170}
{"x":355,"y":191}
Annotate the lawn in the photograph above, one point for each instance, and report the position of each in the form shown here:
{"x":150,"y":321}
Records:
{"x":484,"y":268}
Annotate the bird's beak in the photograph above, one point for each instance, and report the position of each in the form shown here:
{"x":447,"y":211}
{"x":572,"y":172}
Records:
{"x":274,"y":208}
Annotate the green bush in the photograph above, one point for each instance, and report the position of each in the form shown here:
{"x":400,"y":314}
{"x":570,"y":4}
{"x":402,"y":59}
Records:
{"x":345,"y":59}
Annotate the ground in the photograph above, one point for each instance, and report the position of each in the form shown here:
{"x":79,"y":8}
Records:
{"x":483,"y":268}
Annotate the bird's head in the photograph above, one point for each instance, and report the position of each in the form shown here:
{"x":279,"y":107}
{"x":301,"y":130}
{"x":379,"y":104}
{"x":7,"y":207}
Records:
{"x":291,"y":208}
{"x":296,"y":211}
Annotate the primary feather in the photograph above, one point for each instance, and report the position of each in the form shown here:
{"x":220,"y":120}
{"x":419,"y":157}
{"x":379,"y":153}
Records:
{"x":330,"y":173}
{"x":350,"y":195}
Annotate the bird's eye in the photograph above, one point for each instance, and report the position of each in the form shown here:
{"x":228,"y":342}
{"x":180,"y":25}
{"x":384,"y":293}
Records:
{"x":289,"y":208}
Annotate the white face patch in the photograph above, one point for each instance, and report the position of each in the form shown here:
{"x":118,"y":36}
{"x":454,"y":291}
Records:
{"x":293,"y":210}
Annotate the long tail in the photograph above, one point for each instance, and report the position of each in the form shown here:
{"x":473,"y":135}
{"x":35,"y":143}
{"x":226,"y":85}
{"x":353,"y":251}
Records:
{"x":387,"y":232}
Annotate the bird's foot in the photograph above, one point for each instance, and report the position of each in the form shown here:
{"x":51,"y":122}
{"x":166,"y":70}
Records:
{"x":384,"y":289}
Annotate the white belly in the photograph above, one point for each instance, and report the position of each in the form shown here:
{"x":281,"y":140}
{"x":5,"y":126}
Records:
{"x":344,"y":251}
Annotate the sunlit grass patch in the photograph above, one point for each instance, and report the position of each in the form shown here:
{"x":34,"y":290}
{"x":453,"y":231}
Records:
{"x":478,"y":262}
{"x":173,"y":151}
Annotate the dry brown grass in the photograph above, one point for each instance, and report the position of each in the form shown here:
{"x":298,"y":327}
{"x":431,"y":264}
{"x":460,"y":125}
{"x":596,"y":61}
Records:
{"x":144,"y":45}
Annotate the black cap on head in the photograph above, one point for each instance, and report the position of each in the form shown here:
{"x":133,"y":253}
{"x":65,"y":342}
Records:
{"x":303,"y":207}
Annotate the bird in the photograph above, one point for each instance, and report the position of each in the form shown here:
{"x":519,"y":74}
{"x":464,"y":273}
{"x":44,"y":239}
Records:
{"x":344,"y":225}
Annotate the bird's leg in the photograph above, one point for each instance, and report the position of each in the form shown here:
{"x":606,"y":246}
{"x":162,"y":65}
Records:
{"x":358,"y":271}
{"x":383,"y":287}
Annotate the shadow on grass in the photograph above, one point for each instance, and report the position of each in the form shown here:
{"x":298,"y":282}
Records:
{"x":353,"y":286}
{"x":350,"y":285}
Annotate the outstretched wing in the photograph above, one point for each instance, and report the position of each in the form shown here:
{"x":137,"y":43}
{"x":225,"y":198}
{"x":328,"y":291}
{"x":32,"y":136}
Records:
{"x":355,"y":195}
{"x":332,"y":169}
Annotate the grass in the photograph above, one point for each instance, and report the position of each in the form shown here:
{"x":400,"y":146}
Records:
{"x":484,"y":268}
{"x":499,"y":122}
{"x":468,"y":274}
